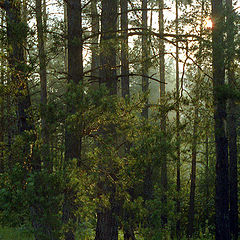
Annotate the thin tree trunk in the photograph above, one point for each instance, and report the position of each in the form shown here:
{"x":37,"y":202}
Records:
{"x":207,"y":176}
{"x":124,"y":49}
{"x":43,"y":81}
{"x":193,"y":175}
{"x":231,"y":123}
{"x":191,"y":212}
{"x":147,"y":184}
{"x":164,"y":181}
{"x":145,"y":56}
{"x":125,"y":92}
{"x":2,"y":125}
{"x":95,"y":45}
{"x":222,"y":184}
{"x":65,"y":40}
{"x":178,"y":206}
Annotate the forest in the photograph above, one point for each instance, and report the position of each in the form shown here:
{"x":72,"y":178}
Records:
{"x":119,"y":119}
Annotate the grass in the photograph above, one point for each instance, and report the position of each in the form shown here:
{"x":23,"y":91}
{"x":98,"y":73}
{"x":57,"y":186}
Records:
{"x":14,"y":234}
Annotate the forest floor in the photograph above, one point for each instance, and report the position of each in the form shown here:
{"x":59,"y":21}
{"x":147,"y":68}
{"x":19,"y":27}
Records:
{"x":15,"y":234}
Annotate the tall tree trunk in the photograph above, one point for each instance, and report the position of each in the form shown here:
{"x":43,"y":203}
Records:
{"x":191,"y":211}
{"x":147,"y":184}
{"x":178,"y":128}
{"x":73,"y":139}
{"x":2,"y":125}
{"x":207,"y":176}
{"x":231,"y":123}
{"x":145,"y":56}
{"x":95,"y":45}
{"x":17,"y":64}
{"x":125,"y":92}
{"x":193,"y":175}
{"x":124,"y":49}
{"x":164,"y":181}
{"x":43,"y":82}
{"x":108,"y":56}
{"x":222,"y":184}
{"x":75,"y":72}
{"x":107,"y":224}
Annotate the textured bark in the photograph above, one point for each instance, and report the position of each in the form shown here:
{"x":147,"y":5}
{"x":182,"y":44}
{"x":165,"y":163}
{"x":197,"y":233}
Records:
{"x":231,"y":123}
{"x":73,"y":140}
{"x":145,"y":56}
{"x":95,"y":45}
{"x":107,"y":224}
{"x":75,"y":72}
{"x":178,"y":206}
{"x":124,"y":49}
{"x":108,"y":48}
{"x":222,"y":184}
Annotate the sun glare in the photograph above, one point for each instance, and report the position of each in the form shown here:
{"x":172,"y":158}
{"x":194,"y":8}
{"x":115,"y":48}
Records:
{"x":208,"y":23}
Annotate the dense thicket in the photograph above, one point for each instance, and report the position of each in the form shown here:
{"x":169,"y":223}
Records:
{"x":119,"y":119}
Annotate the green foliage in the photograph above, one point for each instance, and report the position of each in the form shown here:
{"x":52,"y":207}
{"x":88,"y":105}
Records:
{"x":15,"y":233}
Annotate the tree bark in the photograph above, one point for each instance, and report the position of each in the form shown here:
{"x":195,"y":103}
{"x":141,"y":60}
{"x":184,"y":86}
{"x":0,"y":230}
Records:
{"x":231,"y":123}
{"x":178,"y":206}
{"x":43,"y":83}
{"x":108,"y":75}
{"x":124,"y":49}
{"x":222,"y":184}
{"x":95,"y":45}
{"x":191,"y":212}
{"x":73,"y":139}
{"x":145,"y":56}
{"x":163,"y":177}
{"x":107,"y":224}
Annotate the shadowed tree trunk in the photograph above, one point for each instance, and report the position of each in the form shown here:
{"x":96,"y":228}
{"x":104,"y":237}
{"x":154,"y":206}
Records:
{"x":17,"y":63}
{"x":43,"y":82}
{"x":73,"y":140}
{"x":127,"y":228}
{"x":191,"y":211}
{"x":231,"y":123}
{"x":124,"y":49}
{"x":108,"y":51}
{"x":94,"y":48}
{"x":178,"y":210}
{"x":163,"y":178}
{"x":107,"y":224}
{"x":222,"y":185}
{"x":145,"y":56}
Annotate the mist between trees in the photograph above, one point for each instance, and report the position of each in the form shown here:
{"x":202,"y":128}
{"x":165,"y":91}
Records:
{"x":119,"y":119}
